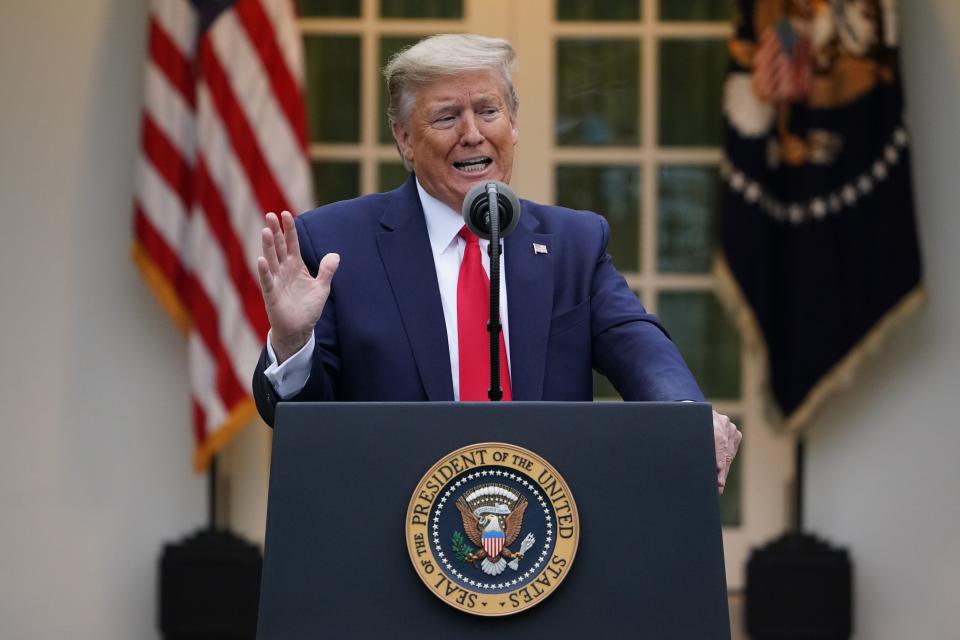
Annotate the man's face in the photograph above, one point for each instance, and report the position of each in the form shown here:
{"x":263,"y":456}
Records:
{"x":460,"y":132}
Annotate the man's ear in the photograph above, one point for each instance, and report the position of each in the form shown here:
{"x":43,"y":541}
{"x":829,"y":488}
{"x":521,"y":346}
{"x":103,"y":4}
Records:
{"x":402,"y":138}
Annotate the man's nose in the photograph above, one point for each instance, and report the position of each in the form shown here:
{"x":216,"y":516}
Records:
{"x":470,"y":134}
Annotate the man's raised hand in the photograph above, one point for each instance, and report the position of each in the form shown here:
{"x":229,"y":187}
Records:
{"x":294,"y":299}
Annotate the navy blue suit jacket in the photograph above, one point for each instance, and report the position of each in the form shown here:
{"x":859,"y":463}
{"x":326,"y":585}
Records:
{"x":382,"y":335}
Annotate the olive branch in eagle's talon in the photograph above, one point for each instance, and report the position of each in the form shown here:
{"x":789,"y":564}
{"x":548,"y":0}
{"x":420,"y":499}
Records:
{"x":463,"y":551}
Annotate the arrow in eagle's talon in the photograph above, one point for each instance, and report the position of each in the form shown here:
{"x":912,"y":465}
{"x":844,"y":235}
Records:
{"x":524,"y":547}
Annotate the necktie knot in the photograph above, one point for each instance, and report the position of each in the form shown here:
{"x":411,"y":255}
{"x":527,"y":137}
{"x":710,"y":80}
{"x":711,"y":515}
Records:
{"x":468,"y":235}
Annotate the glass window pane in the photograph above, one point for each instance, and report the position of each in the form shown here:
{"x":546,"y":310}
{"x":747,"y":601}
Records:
{"x":389,"y":45}
{"x":613,"y":192}
{"x":731,"y":512}
{"x":691,"y":77}
{"x":697,"y":9}
{"x":329,"y":8}
{"x":687,"y":231}
{"x":421,"y":8}
{"x":709,"y":343}
{"x":593,"y":10}
{"x":390,"y":175}
{"x":598,"y":92}
{"x":333,"y":181}
{"x":333,"y":88}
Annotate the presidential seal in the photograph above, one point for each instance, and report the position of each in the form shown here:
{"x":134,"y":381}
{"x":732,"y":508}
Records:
{"x":492,"y":529}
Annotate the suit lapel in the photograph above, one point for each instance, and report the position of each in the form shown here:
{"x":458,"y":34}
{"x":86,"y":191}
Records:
{"x":530,"y":301}
{"x":408,"y":260}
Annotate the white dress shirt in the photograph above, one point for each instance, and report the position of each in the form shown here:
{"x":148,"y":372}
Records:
{"x":443,"y":227}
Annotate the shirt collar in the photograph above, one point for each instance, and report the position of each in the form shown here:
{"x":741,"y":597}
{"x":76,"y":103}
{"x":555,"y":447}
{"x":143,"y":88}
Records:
{"x":443,"y":223}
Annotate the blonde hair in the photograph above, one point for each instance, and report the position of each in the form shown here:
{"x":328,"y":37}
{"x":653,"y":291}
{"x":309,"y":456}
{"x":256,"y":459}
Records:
{"x":443,"y":56}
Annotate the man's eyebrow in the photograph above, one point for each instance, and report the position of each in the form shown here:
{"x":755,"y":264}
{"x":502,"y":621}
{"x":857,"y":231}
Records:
{"x":488,"y":98}
{"x":448,"y":106}
{"x":443,"y":107}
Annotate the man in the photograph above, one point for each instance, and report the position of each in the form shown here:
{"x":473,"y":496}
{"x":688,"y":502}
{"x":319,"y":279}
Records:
{"x":399,"y":321}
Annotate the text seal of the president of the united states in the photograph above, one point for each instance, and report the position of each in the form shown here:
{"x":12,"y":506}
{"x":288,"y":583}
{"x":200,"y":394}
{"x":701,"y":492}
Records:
{"x":492,"y":529}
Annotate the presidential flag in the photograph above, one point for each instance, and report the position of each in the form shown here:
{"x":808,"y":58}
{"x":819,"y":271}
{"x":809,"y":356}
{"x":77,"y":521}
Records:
{"x":223,"y":141}
{"x":818,"y":233}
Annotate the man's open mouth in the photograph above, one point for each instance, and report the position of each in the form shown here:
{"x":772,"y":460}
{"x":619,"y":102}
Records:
{"x":474,"y":165}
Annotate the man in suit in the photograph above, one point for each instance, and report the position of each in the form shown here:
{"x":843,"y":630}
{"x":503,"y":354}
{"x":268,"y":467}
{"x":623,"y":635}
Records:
{"x":402,"y":320}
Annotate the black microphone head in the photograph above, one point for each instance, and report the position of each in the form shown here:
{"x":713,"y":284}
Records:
{"x":476,"y":209}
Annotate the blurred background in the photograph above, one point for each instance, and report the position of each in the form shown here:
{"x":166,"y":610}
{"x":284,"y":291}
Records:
{"x":620,"y":113}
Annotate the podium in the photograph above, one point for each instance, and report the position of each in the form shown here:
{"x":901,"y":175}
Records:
{"x":650,"y":558}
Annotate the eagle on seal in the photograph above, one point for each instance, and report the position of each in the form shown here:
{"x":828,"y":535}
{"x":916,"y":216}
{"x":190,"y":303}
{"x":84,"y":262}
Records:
{"x":492,"y":519}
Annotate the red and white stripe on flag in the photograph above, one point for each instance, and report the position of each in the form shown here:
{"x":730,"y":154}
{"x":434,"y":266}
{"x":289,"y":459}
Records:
{"x":493,"y":543}
{"x":223,"y":141}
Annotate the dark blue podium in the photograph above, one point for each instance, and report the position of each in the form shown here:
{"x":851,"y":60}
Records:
{"x":650,"y":556}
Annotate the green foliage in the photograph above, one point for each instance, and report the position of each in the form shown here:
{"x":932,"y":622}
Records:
{"x":460,"y":547}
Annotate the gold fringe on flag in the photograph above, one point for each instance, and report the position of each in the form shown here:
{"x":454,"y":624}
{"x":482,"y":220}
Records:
{"x":163,"y":289}
{"x":236,"y":422}
{"x":839,"y":377}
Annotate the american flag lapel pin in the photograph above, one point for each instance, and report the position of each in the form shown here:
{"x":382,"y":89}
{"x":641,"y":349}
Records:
{"x":539,"y":248}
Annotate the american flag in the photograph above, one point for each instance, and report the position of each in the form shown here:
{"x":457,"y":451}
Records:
{"x":223,"y":141}
{"x":782,"y":65}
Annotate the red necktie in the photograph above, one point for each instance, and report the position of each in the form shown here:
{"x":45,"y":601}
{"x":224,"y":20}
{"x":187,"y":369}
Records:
{"x":473,"y":311}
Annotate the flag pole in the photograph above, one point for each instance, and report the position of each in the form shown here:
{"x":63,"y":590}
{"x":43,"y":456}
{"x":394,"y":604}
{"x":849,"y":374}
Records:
{"x":212,"y":493}
{"x":798,"y":485}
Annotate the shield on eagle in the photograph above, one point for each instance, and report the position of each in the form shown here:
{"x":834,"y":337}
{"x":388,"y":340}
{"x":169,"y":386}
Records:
{"x":493,"y":542}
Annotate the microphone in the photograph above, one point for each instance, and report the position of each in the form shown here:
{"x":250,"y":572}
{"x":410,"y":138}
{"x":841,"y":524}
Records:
{"x":491,"y":211}
{"x":476,"y":208}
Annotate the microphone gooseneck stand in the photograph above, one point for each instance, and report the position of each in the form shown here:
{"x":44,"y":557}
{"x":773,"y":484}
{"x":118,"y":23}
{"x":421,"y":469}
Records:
{"x":491,"y":210}
{"x":495,"y":392}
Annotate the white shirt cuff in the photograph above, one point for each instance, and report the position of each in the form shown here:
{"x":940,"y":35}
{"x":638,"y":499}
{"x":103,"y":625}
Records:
{"x":290,"y":377}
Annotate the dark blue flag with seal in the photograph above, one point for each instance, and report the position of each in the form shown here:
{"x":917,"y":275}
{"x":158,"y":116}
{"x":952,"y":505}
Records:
{"x":820,"y":249}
